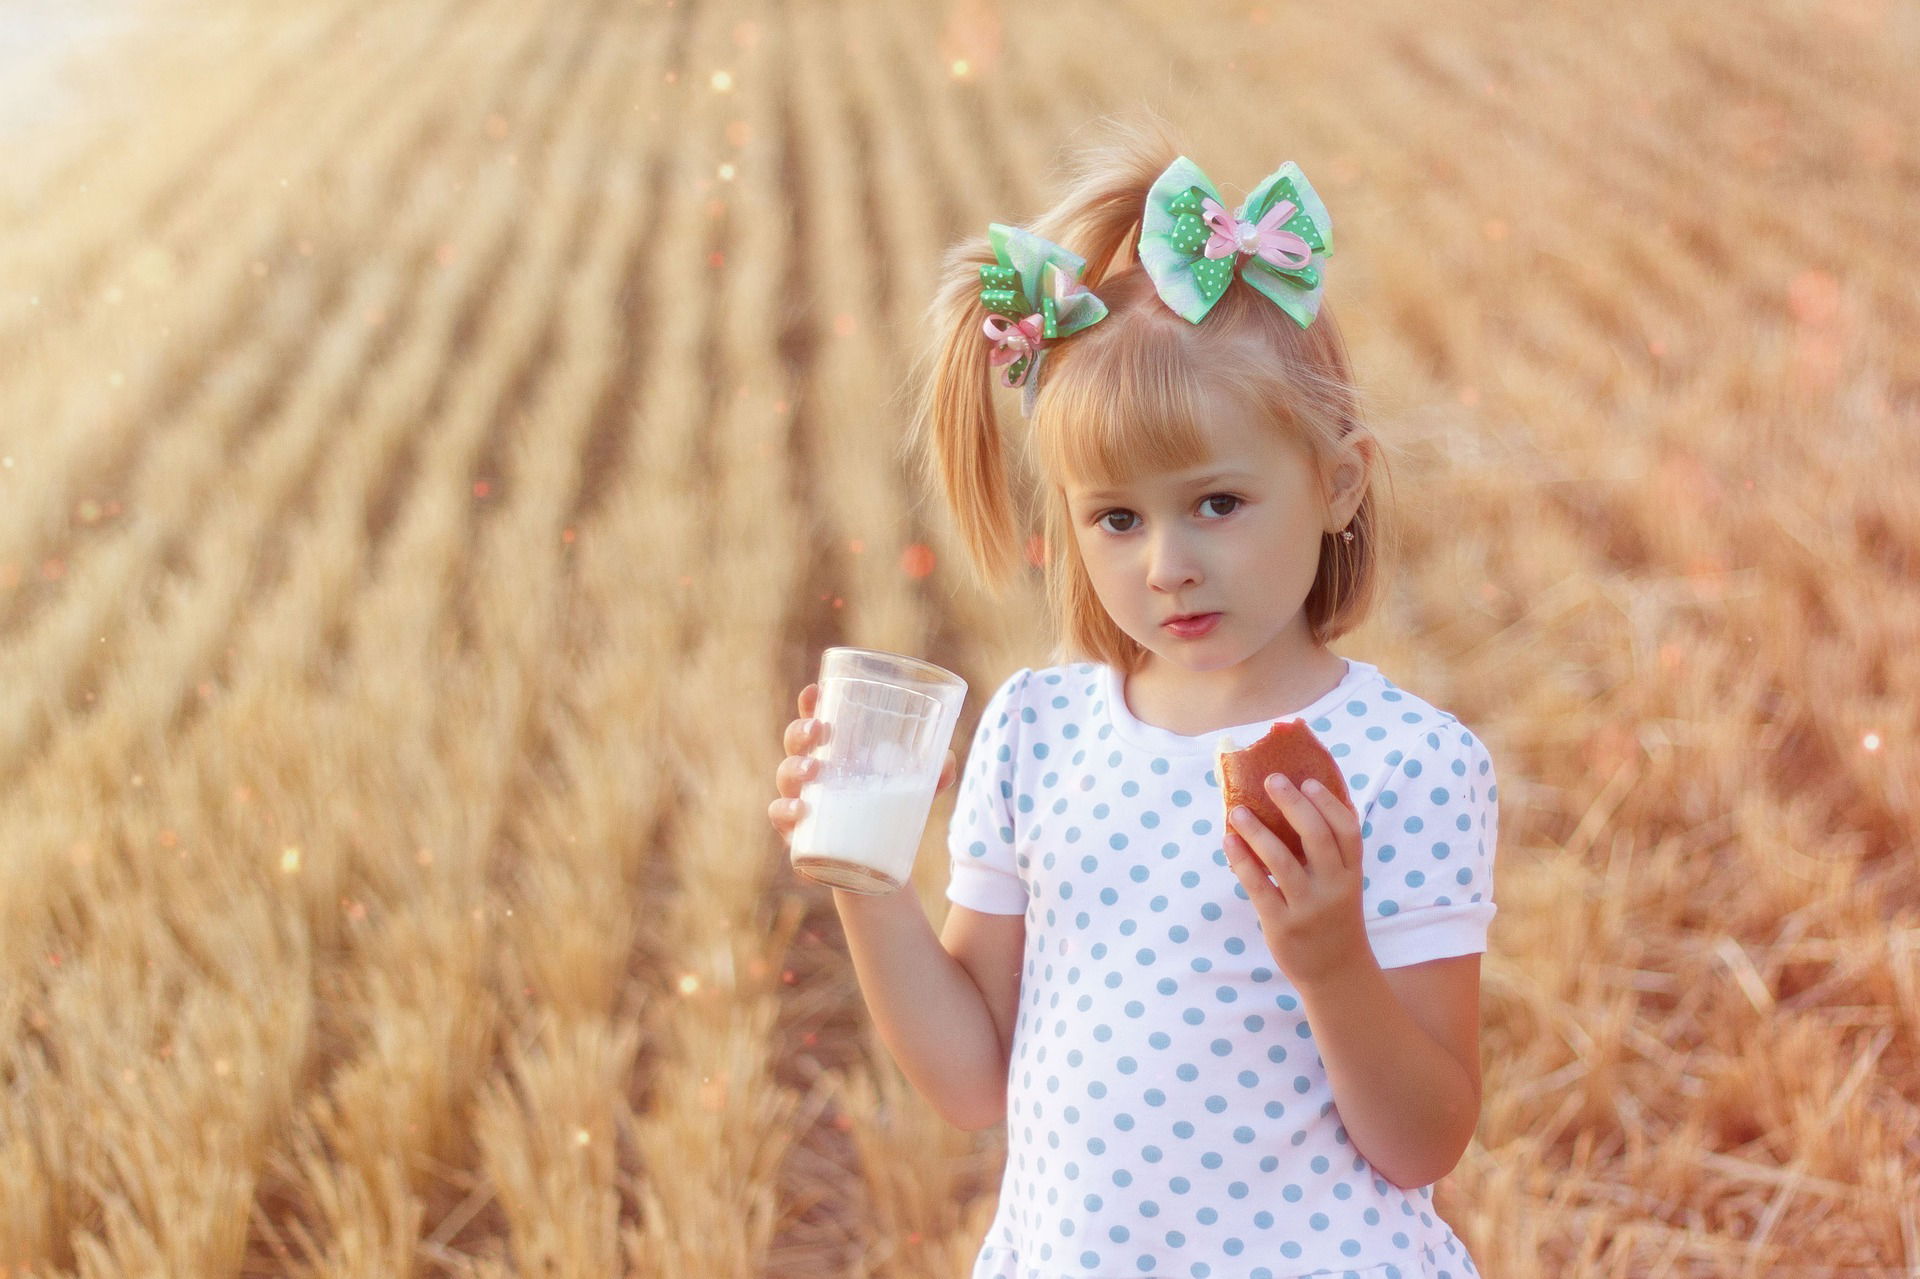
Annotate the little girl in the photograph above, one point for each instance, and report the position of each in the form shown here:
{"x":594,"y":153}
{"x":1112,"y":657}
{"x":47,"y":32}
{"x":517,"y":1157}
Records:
{"x":1213,"y":1057}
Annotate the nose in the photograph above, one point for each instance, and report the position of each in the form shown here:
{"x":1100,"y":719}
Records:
{"x":1171,"y":566}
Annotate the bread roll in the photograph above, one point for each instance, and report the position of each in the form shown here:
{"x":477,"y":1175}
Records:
{"x":1289,"y":747}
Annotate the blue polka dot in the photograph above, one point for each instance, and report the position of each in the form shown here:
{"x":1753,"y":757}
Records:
{"x":1110,"y":1021}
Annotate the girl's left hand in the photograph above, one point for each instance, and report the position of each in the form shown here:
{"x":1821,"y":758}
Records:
{"x":1311,"y":915}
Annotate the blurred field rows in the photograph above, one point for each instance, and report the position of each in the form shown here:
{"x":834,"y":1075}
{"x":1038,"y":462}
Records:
{"x":437,"y":440}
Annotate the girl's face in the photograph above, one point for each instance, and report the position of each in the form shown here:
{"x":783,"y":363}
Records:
{"x":1238,"y":535}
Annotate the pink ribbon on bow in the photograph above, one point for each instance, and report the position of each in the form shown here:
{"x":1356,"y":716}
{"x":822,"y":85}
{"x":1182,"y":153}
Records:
{"x":1267,"y":241}
{"x":1011,"y":341}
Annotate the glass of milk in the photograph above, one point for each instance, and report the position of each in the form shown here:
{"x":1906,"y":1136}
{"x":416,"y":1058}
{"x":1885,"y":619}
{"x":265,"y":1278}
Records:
{"x":886,"y":721}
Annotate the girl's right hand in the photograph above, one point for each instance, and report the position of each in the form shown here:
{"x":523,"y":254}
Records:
{"x":797,"y":769}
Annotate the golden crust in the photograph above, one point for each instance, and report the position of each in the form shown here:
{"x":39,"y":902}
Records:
{"x":1289,"y":747}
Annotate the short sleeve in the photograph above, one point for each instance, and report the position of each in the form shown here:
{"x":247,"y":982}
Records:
{"x":1428,"y":847}
{"x":980,"y":841}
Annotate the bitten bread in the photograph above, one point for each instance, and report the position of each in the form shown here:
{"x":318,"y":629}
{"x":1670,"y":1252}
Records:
{"x":1289,"y":747}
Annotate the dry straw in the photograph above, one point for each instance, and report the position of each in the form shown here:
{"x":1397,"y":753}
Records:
{"x":436,"y":441}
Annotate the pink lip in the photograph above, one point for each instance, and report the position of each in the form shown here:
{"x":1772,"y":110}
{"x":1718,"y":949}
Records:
{"x":1192,"y":627}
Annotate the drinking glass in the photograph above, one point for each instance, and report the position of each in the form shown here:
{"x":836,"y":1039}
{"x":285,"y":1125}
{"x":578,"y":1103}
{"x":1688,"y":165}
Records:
{"x":886,"y":721}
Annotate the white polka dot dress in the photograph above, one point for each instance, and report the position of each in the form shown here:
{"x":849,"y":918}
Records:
{"x":1167,"y":1113}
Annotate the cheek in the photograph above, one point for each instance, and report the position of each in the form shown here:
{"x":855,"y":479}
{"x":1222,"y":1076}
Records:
{"x":1089,"y":559}
{"x":1093,"y":564}
{"x":1282,"y":551}
{"x":1113,"y":580}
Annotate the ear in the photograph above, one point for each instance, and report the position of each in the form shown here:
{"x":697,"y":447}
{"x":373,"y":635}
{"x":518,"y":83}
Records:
{"x":1352,"y":471}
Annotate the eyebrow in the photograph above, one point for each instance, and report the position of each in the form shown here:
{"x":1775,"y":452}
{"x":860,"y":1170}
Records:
{"x":1197,"y":482}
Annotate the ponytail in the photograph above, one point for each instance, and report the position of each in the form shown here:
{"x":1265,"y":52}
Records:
{"x":954,"y":441}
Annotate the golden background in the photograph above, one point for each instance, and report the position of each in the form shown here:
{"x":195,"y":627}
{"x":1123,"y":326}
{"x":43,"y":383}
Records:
{"x":436,"y":440}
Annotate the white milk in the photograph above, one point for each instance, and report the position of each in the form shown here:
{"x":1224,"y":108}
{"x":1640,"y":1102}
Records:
{"x":862,"y":833}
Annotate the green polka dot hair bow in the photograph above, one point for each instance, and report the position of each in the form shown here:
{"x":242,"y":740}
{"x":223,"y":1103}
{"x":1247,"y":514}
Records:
{"x":1277,"y":240}
{"x":1036,"y":297}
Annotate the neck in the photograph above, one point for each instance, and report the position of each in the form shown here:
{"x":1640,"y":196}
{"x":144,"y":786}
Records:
{"x":1193,"y":703}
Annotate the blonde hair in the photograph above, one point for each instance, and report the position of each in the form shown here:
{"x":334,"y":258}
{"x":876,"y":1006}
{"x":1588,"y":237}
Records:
{"x":1125,"y":396}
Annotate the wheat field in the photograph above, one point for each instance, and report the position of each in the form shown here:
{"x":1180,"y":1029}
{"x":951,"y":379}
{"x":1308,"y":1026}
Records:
{"x":437,"y":439}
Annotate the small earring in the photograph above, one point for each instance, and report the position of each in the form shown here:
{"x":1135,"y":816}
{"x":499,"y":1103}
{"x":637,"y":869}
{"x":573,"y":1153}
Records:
{"x":1346,"y":535}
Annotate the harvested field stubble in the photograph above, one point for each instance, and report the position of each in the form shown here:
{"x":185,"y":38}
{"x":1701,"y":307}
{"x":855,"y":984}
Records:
{"x":436,"y":441}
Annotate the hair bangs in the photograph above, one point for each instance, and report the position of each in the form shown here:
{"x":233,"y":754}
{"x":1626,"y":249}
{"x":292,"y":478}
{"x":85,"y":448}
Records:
{"x":1127,"y":405}
{"x":1129,"y":395}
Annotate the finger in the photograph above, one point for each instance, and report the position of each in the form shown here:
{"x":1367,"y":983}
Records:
{"x":1251,"y":871}
{"x":785,"y":814}
{"x":794,"y":772}
{"x":1272,"y":853}
{"x":797,"y":736}
{"x":1316,"y":837}
{"x":1237,"y":851}
{"x":803,"y":735}
{"x":949,"y":769}
{"x":1341,"y":820}
{"x":809,"y":696}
